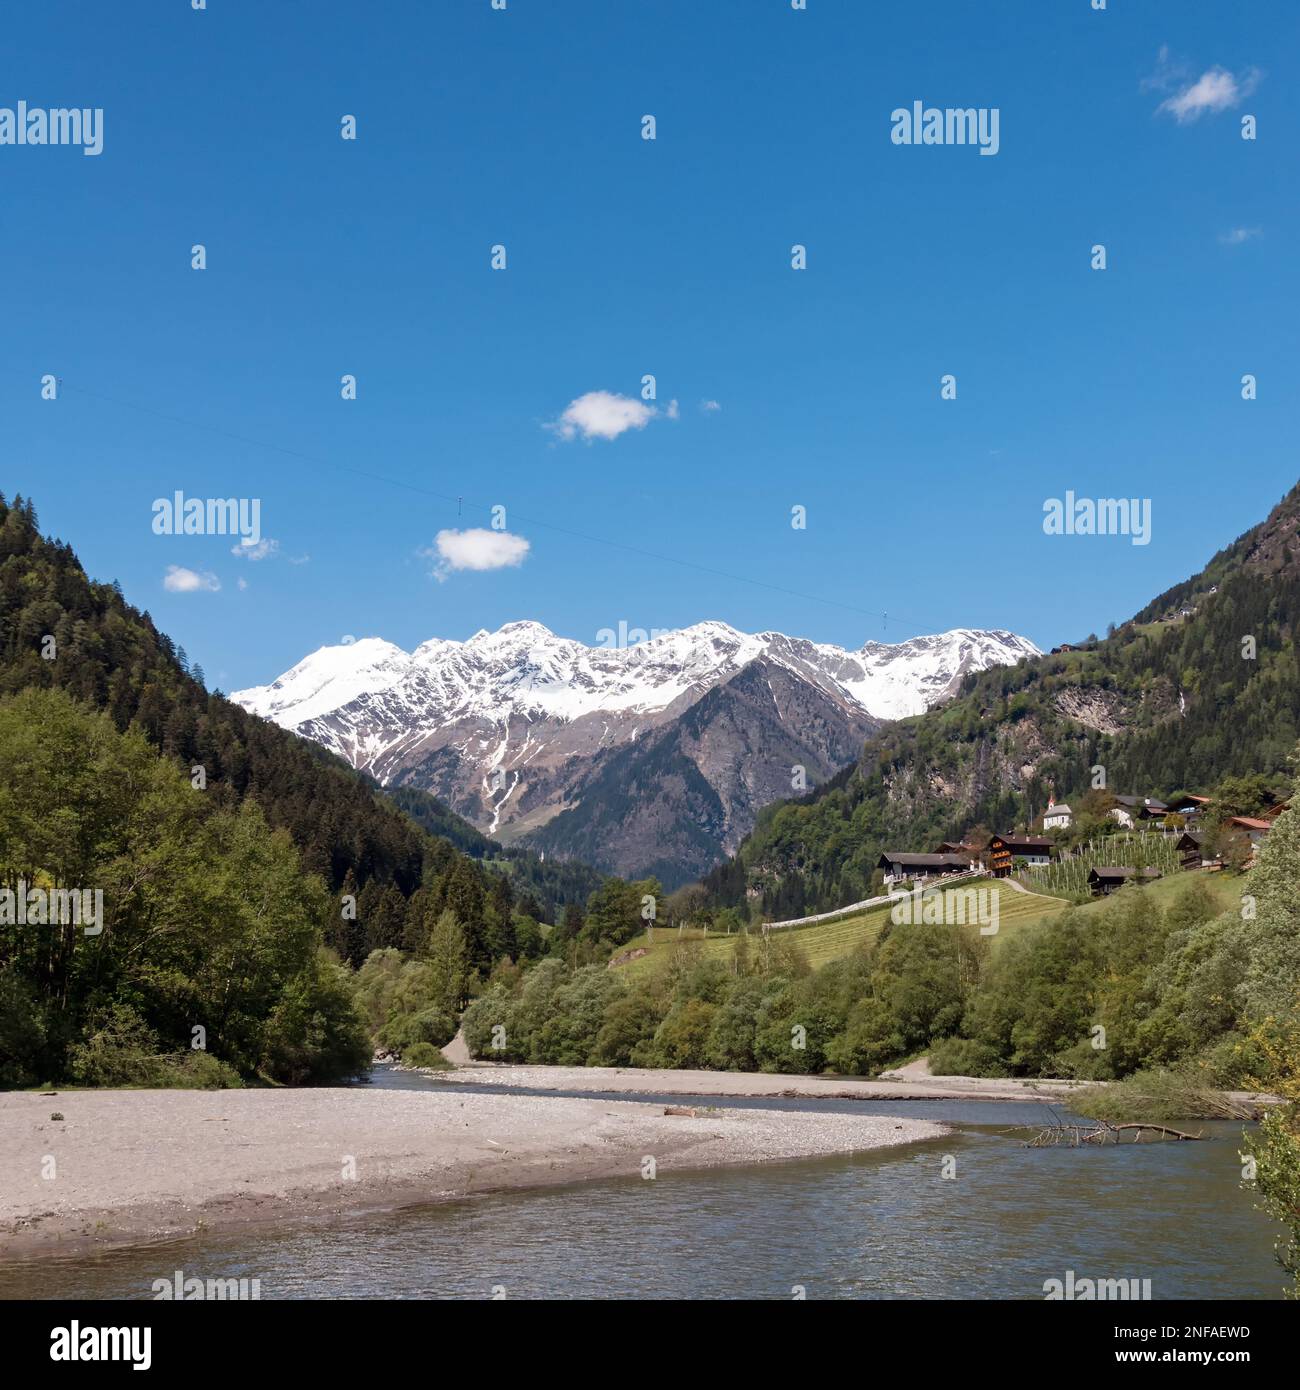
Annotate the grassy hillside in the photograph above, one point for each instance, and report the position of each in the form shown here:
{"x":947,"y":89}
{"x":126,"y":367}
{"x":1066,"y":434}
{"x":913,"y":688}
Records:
{"x":826,"y":941}
{"x":1177,"y":699}
{"x":1225,"y":889}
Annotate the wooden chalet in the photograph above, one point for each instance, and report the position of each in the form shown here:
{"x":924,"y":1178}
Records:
{"x":899,"y":865}
{"x":1103,"y":882}
{"x":1191,"y":845}
{"x":1130,"y":809}
{"x":1004,"y":850}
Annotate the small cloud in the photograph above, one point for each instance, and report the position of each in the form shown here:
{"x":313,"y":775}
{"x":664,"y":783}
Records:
{"x":475,"y":549}
{"x":674,"y":410}
{"x":1239,"y":234}
{"x":708,"y":407}
{"x":1213,"y":91}
{"x":255,"y":550}
{"x":602,"y":415}
{"x":179,"y":580}
{"x":243,"y":583}
{"x":299,"y":559}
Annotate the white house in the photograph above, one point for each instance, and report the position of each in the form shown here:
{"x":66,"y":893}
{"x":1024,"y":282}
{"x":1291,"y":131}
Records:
{"x":1135,"y":808}
{"x":1057,"y":817}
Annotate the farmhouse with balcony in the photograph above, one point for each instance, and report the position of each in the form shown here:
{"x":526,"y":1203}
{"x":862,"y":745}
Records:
{"x":1004,"y":850}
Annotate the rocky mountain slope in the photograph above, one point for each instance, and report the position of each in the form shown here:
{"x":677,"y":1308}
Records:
{"x":1202,"y":684}
{"x":654,"y":756}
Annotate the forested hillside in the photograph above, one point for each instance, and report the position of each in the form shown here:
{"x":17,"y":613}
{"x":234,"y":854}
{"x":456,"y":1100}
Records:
{"x":59,"y":629}
{"x":227,"y":851}
{"x":1204,"y":683}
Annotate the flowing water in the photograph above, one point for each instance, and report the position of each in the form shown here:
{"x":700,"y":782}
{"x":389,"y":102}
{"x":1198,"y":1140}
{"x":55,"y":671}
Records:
{"x":884,"y":1225}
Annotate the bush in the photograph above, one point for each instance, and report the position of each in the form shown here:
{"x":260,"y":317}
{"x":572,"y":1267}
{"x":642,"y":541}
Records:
{"x":964,"y":1057}
{"x":1156,"y":1095}
{"x":122,"y":1051}
{"x":430,"y":1027}
{"x":315,"y":1034}
{"x":682,"y":1039}
{"x":423,"y":1054}
{"x":200,"y":1071}
{"x":478,"y":1022}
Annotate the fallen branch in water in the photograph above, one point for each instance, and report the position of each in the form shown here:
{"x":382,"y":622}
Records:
{"x":1100,"y":1133}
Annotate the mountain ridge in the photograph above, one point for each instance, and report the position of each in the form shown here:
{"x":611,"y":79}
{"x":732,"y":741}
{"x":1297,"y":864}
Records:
{"x":526,"y":734}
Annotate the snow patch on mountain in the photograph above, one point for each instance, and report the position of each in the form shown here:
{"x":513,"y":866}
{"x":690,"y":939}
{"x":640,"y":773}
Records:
{"x":525,"y":670}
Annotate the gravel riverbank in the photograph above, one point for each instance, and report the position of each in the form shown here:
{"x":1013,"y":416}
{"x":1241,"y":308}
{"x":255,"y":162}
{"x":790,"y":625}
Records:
{"x":98,"y":1168}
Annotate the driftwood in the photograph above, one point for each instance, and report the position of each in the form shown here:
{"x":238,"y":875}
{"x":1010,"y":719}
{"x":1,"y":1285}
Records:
{"x":689,"y":1112}
{"x":1100,"y":1133}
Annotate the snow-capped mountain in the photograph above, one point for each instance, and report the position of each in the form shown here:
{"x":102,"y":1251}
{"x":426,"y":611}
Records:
{"x":517,"y":727}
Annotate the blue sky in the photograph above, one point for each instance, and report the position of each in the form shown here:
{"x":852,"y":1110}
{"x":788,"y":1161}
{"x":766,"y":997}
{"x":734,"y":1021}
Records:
{"x":625,"y":257}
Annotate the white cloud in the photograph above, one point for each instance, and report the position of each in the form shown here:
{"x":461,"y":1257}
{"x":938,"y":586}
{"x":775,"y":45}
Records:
{"x":1239,"y":234}
{"x":1214,"y":90}
{"x":256,"y":550}
{"x":602,"y":415}
{"x":243,"y":583}
{"x":475,"y":549}
{"x":179,"y":580}
{"x":674,"y":411}
{"x":709,"y":407}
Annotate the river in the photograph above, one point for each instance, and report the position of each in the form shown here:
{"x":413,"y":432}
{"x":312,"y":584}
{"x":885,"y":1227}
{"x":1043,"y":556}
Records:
{"x":885,"y":1225}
